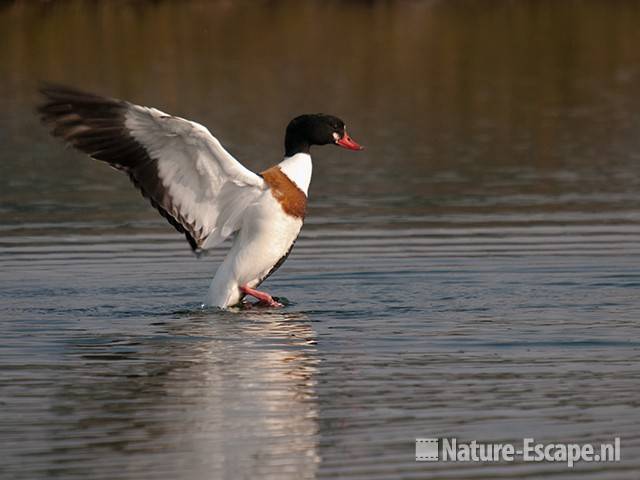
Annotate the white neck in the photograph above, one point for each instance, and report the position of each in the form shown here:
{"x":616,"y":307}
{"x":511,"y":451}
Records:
{"x":298,"y":168}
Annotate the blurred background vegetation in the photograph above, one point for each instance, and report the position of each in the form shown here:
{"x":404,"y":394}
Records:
{"x":456,"y":91}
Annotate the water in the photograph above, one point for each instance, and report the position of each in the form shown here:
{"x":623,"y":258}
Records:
{"x":473,"y":274}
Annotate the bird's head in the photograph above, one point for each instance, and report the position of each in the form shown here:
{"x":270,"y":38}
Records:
{"x":316,"y":129}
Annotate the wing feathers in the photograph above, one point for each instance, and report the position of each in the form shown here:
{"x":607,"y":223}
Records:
{"x":184,"y":171}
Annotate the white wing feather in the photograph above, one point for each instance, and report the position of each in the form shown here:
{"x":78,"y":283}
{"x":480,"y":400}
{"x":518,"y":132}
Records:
{"x":183,"y":169}
{"x":207,"y":186}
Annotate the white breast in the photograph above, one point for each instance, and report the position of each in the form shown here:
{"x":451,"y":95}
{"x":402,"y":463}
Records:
{"x":266,"y":236}
{"x":298,"y":168}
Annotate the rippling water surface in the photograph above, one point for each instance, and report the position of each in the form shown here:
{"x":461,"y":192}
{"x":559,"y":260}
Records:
{"x":475,"y":273}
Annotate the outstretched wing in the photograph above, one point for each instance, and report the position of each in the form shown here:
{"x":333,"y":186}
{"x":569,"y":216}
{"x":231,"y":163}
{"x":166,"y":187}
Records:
{"x":183,"y":169}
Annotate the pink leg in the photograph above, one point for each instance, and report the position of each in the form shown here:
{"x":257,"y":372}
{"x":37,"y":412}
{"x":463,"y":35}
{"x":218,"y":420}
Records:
{"x":262,"y":296}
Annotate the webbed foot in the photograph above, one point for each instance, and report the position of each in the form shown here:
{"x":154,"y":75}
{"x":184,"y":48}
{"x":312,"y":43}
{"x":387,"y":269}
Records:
{"x":264,"y":297}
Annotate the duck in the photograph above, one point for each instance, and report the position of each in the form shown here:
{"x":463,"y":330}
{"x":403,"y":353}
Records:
{"x":197,"y":185}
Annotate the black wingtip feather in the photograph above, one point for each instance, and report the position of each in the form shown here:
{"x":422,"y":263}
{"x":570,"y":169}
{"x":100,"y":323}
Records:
{"x":96,"y":125}
{"x":66,"y":94}
{"x":61,"y":101}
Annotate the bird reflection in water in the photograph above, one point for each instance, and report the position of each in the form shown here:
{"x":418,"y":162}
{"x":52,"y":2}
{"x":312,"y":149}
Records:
{"x":211,"y":394}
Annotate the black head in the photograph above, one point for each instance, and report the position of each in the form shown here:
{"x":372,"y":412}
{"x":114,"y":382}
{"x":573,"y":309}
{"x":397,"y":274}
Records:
{"x":316,"y":129}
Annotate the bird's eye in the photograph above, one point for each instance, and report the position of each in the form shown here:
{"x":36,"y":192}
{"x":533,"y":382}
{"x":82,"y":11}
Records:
{"x":336,"y":136}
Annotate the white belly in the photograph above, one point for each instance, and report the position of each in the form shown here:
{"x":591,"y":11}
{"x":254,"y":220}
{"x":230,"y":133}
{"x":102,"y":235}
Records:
{"x":266,"y":235}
